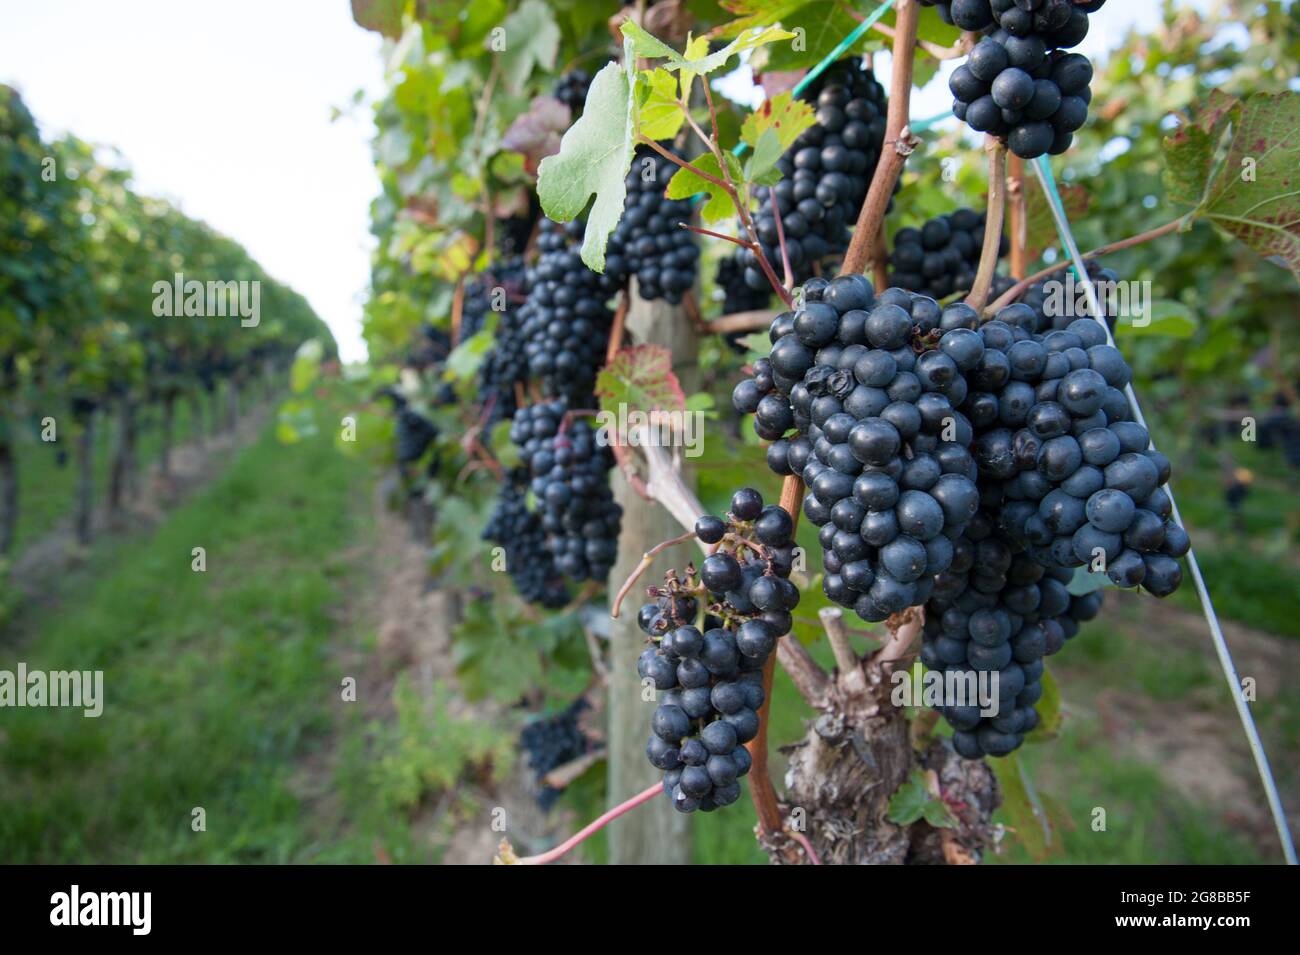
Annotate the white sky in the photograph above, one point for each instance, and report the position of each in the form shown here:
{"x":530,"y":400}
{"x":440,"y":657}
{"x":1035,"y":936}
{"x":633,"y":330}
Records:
{"x":223,"y":108}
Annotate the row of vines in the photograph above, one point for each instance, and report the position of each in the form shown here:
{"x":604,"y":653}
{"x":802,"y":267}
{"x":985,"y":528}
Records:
{"x":115,"y":307}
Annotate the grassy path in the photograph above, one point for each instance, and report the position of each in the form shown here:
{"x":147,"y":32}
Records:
{"x":214,"y":682}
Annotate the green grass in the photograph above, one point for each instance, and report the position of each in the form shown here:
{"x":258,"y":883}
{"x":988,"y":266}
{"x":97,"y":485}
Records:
{"x":215,"y":682}
{"x":1146,"y":821}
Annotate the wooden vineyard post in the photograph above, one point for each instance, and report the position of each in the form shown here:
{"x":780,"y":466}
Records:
{"x":657,"y":834}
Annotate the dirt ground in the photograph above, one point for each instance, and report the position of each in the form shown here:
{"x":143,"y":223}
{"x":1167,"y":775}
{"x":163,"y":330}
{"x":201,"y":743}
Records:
{"x":413,"y":622}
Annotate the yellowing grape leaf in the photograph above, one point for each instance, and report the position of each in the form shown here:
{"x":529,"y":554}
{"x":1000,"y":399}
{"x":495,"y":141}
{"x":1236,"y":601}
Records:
{"x":640,"y":378}
{"x":1253,"y":194}
{"x":660,"y":115}
{"x":784,"y":115}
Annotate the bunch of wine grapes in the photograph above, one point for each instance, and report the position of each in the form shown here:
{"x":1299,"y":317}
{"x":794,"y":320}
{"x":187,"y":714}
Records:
{"x":414,"y":434}
{"x":571,"y":90}
{"x":528,"y":560}
{"x":825,"y":175}
{"x":737,"y":296}
{"x":872,"y":386}
{"x":568,"y":470}
{"x":649,"y":241}
{"x":1018,"y":82}
{"x":566,"y":322}
{"x":942,"y":257}
{"x":710,"y":683}
{"x":552,"y":741}
{"x":970,"y":467}
{"x":495,"y":289}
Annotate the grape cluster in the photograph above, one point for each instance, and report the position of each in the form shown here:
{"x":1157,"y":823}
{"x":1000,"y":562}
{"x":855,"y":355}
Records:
{"x":942,"y":257}
{"x":1067,"y":480}
{"x":998,"y":611}
{"x":825,"y":175}
{"x":571,"y":90}
{"x":528,"y":561}
{"x":1018,"y":82}
{"x":568,"y":470}
{"x":552,"y":741}
{"x":737,"y":296}
{"x":872,"y":385}
{"x":566,"y":321}
{"x":414,"y":433}
{"x":505,"y":363}
{"x":970,"y":467}
{"x":649,"y":241}
{"x":710,"y":683}
{"x":482,"y":296}
{"x":431,"y":347}
{"x":504,"y":366}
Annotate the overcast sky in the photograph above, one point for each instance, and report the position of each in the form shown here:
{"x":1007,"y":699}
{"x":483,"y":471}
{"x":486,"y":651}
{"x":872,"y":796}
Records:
{"x":225,"y":108}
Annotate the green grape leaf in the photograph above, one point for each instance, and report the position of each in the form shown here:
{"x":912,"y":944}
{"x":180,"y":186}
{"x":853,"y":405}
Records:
{"x":1049,"y":711}
{"x":1024,"y":809}
{"x":595,"y":155}
{"x":783,"y":115}
{"x":503,"y":449}
{"x":640,"y":378}
{"x":686,"y":183}
{"x":531,"y":39}
{"x":465,"y":359}
{"x":660,"y":115}
{"x":760,"y":168}
{"x":756,"y":13}
{"x":1165,"y":317}
{"x":815,"y":30}
{"x":1040,"y":227}
{"x":1085,"y":581}
{"x":643,"y":44}
{"x":1190,"y":149}
{"x":913,"y":801}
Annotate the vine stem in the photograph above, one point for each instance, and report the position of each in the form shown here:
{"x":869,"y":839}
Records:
{"x":1018,"y":216}
{"x":741,"y":207}
{"x":997,"y":153}
{"x":457,"y":310}
{"x":589,"y":830}
{"x":727,"y":187}
{"x":617,"y":329}
{"x":1014,"y":293}
{"x":760,"y":782}
{"x":780,"y":238}
{"x":899,"y":144}
{"x":741,"y":322}
{"x":647,"y":559}
{"x":743,"y":243}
